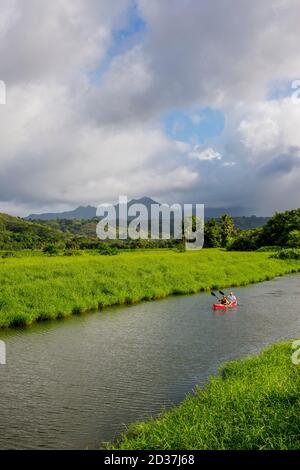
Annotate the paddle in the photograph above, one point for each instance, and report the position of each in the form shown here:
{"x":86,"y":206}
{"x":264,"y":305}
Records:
{"x":212,"y":293}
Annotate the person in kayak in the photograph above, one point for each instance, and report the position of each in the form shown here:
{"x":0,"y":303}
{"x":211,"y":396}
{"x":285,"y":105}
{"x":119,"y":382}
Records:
{"x":232,"y":298}
{"x":225,"y":300}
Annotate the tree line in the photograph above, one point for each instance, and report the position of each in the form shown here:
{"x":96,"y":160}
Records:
{"x":281,"y":230}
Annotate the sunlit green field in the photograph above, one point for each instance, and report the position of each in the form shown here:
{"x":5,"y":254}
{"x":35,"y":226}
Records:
{"x":253,"y":404}
{"x":39,"y":287}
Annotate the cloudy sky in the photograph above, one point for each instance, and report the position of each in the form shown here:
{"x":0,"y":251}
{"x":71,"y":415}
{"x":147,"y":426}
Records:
{"x":181,"y":100}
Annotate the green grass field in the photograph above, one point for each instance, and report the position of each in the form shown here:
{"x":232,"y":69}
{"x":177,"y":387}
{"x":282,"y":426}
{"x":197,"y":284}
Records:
{"x":40,"y":287}
{"x":253,"y":404}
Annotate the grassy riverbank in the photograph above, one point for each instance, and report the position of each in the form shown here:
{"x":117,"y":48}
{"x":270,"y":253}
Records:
{"x":40,"y":287}
{"x":253,"y":404}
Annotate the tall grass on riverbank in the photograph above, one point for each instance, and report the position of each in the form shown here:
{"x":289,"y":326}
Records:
{"x":40,"y":288}
{"x":253,"y":404}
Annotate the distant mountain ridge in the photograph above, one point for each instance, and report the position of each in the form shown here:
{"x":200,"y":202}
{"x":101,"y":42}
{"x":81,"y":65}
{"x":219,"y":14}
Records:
{"x":90,"y":212}
{"x":81,"y":212}
{"x":85,"y":212}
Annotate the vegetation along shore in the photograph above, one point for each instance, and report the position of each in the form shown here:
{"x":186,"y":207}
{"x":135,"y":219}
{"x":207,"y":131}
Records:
{"x":35,"y":288}
{"x":252,"y":404}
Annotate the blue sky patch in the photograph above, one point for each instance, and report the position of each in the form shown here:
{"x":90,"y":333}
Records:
{"x":135,"y":25}
{"x":123,"y":39}
{"x":279,"y":89}
{"x":195,"y":126}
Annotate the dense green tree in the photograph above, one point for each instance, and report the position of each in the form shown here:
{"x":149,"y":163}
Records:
{"x":212,"y":234}
{"x":245,"y":240}
{"x":294,"y":239}
{"x":277,"y":230}
{"x":227,"y":229}
{"x":50,"y":250}
{"x":106,"y":249}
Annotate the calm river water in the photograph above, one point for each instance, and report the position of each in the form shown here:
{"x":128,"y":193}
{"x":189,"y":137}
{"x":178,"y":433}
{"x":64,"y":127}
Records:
{"x":76,"y":383}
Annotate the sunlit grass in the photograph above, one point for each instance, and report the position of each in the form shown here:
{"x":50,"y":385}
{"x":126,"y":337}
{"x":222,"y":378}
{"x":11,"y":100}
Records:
{"x":253,"y":404}
{"x":39,"y":287}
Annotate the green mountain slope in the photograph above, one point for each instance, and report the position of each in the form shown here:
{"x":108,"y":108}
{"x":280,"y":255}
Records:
{"x":16,"y":233}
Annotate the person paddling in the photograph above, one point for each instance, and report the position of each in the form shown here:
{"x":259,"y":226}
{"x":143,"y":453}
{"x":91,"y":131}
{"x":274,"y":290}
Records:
{"x":225,"y":300}
{"x":232,"y":298}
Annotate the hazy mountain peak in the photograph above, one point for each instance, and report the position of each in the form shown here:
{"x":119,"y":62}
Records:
{"x":84,"y":212}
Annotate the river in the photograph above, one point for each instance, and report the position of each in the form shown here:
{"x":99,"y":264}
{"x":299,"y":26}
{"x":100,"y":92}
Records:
{"x":76,"y":383}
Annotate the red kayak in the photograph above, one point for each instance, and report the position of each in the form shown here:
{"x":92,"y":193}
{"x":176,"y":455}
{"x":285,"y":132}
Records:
{"x":224,"y":307}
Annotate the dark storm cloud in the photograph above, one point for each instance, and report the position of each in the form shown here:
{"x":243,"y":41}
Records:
{"x":83,"y":124}
{"x":281,"y":164}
